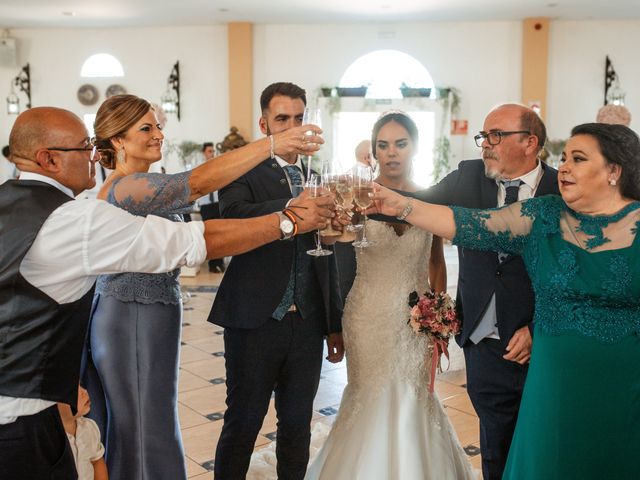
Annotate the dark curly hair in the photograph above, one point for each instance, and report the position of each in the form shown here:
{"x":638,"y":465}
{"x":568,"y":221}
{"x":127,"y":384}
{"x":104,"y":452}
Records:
{"x":621,"y":146}
{"x":285,"y":89}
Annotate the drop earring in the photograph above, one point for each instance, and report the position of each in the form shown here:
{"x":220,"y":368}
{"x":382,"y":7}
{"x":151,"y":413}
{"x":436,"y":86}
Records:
{"x":120,"y":155}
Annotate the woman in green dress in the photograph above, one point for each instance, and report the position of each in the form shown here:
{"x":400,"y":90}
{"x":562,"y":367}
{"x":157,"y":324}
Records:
{"x":580,"y":411}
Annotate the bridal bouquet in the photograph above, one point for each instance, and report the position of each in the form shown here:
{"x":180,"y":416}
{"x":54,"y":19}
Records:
{"x":434,"y":314}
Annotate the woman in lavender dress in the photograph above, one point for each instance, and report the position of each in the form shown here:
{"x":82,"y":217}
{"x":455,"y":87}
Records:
{"x":134,"y":336}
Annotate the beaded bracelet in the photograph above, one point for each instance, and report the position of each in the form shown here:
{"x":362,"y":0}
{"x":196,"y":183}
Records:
{"x":272,"y":147}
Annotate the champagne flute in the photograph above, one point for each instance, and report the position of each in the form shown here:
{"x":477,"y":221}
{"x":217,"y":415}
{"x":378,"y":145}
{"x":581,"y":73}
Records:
{"x":363,"y":187}
{"x":317,"y":189}
{"x":311,"y":116}
{"x":344,"y":190}
{"x":330,"y":181}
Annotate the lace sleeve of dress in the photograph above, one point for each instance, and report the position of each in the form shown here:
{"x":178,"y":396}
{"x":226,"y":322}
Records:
{"x":157,"y":193}
{"x":503,"y":229}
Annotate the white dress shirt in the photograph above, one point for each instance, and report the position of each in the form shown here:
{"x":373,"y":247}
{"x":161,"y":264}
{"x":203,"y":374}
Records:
{"x":527,"y":189}
{"x":82,"y":239}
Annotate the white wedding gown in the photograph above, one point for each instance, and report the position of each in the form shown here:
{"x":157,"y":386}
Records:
{"x":389,"y":427}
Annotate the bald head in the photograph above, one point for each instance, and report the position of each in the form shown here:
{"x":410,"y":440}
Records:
{"x":41,"y":127}
{"x":529,"y":120}
{"x":52,"y":142}
{"x":363,"y":152}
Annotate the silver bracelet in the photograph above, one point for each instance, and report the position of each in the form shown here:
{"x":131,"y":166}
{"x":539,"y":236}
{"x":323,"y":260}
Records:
{"x":272,"y":147}
{"x":407,"y":210}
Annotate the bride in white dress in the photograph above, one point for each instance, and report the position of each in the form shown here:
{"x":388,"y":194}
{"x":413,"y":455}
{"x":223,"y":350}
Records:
{"x":389,"y":427}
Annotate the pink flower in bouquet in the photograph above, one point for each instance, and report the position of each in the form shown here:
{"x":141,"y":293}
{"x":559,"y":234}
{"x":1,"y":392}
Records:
{"x":434,"y":314}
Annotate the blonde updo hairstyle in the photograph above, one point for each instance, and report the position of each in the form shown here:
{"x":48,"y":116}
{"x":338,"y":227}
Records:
{"x":115,"y":116}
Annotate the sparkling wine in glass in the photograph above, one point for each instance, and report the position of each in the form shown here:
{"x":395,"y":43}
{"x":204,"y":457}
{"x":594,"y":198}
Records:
{"x":311,"y":116}
{"x":330,"y":181}
{"x":362,"y":190}
{"x":317,"y":189}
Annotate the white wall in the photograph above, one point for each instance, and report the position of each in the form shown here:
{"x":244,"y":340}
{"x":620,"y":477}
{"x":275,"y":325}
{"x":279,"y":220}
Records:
{"x":576,"y":64}
{"x":482,"y":59}
{"x":147,"y":55}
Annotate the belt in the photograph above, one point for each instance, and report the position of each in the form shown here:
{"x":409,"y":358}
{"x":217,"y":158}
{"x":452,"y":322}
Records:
{"x":293,"y":308}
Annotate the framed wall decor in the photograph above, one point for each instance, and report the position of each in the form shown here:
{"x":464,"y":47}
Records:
{"x":115,"y":89}
{"x":87,"y":94}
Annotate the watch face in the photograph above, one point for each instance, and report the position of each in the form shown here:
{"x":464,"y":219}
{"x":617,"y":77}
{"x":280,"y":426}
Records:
{"x":286,"y":226}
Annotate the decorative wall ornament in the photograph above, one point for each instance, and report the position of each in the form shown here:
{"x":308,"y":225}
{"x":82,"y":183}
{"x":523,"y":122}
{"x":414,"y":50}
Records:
{"x":170,"y":101}
{"x":115,"y":89}
{"x":232,"y":141}
{"x":23,"y":82}
{"x":87,"y":94}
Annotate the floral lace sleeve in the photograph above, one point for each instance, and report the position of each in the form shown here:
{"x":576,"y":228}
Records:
{"x":152,"y":193}
{"x":505,"y":229}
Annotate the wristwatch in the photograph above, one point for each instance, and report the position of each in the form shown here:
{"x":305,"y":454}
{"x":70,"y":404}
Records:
{"x":286,"y":226}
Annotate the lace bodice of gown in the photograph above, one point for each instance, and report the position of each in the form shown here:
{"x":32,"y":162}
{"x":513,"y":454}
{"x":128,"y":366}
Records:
{"x":379,"y":343}
{"x":145,"y":194}
{"x":584,"y":269}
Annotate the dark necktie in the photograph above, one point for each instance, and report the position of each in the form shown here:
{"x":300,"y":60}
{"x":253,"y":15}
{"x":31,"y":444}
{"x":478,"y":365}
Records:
{"x":511,"y":188}
{"x":295,"y":177}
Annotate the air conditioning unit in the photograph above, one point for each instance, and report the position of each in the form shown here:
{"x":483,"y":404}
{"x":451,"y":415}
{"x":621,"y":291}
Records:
{"x":8,"y":56}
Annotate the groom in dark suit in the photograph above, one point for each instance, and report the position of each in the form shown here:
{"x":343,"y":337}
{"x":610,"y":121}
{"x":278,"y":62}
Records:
{"x":276,"y":304}
{"x":494,"y":291}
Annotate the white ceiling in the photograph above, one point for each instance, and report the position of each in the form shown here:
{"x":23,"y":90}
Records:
{"x":123,"y":13}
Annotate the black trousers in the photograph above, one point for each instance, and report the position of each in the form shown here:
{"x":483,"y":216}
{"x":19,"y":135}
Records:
{"x":495,"y":388}
{"x":284,"y":357}
{"x":35,"y":447}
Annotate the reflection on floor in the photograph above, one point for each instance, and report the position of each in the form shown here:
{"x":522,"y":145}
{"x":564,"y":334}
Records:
{"x":202,"y":389}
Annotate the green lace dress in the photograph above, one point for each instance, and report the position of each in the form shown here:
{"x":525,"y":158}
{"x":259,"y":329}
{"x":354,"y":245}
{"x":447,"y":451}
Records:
{"x":580,"y":411}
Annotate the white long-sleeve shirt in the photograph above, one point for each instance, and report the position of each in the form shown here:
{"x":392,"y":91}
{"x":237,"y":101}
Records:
{"x":85,"y":238}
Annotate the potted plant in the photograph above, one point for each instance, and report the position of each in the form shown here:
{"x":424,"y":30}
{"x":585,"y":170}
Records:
{"x":409,"y":92}
{"x":352,"y":91}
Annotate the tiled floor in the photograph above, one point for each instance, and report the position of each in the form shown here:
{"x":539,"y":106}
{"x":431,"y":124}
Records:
{"x":202,"y":389}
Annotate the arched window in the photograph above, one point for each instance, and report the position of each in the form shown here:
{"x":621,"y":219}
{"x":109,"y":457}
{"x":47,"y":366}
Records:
{"x":384,"y":72}
{"x":102,"y":65}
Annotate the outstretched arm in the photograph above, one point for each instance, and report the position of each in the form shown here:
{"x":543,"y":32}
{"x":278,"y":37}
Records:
{"x":222,"y":170}
{"x":436,"y":219}
{"x":239,"y":235}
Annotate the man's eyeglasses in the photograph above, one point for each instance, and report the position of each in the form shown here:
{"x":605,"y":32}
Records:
{"x":494,"y":138}
{"x":94,"y":156}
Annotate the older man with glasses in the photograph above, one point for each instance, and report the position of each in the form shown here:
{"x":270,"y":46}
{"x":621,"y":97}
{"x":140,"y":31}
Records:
{"x":494,"y":291}
{"x":52,"y":249}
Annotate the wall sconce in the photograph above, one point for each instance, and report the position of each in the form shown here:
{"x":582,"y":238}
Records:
{"x":613,"y":94}
{"x":170,"y":101}
{"x":23,"y":82}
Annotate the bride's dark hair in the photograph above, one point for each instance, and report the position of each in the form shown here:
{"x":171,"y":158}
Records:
{"x":393,"y":116}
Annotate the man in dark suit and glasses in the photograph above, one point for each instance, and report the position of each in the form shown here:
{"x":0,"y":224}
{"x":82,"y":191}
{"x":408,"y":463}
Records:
{"x":494,"y":291}
{"x":494,"y":294}
{"x":276,"y":305}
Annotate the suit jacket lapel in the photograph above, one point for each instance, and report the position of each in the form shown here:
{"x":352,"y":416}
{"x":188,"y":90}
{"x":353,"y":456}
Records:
{"x":548,"y":183}
{"x":488,"y":193}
